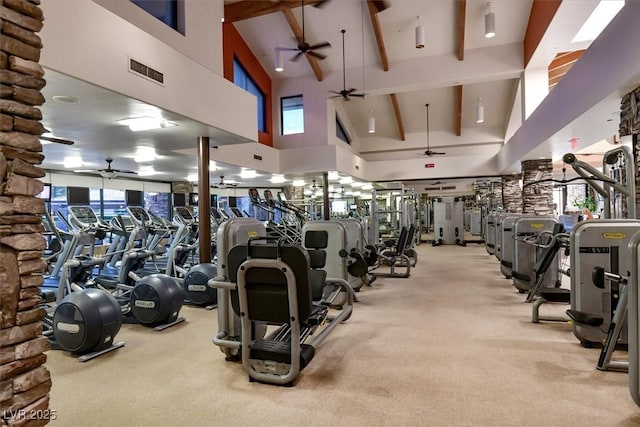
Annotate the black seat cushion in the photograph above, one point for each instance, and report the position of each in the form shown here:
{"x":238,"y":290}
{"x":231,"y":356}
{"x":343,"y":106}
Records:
{"x":556,"y":294}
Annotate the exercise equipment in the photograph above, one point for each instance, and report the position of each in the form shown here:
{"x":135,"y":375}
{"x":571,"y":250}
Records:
{"x":86,"y":323}
{"x":448,"y":221}
{"x":507,"y":245}
{"x":272,"y":283}
{"x":603,"y":243}
{"x":531,"y":233}
{"x":490,"y":233}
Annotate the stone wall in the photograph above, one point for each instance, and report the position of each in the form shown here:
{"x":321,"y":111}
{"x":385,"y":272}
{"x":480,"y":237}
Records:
{"x":630,"y":113}
{"x":537,"y":199}
{"x":511,"y":193}
{"x":24,"y":381}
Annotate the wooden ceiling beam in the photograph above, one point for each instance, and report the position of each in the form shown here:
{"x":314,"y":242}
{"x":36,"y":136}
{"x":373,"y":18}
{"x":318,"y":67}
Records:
{"x":373,"y":14}
{"x":398,"y":115}
{"x":247,"y":9}
{"x":297,"y":32}
{"x":462,"y":12}
{"x":459,"y":110}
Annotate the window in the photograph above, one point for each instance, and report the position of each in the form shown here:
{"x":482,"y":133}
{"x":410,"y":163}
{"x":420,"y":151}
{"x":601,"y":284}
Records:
{"x":340,"y":132}
{"x":242,"y":79}
{"x":113,"y":204}
{"x":158,"y":203}
{"x":292,"y":115}
{"x":167,"y":11}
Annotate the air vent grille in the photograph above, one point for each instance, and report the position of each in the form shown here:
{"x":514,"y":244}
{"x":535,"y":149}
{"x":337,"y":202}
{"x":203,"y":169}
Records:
{"x":146,"y":71}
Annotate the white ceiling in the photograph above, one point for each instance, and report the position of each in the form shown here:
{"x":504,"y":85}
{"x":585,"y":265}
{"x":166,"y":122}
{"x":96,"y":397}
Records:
{"x":91,"y":123}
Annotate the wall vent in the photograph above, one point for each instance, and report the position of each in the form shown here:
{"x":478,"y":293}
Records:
{"x":256,"y":157}
{"x":146,"y":71}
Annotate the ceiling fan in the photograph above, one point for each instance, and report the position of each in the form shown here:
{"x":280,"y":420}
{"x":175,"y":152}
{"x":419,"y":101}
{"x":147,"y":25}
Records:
{"x":223,"y":184}
{"x":304,"y":47}
{"x":345,"y":93}
{"x":109,"y":172}
{"x":428,"y":151}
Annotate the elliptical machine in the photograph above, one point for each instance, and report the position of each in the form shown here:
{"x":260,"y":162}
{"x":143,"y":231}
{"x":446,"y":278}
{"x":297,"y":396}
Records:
{"x":83,"y":321}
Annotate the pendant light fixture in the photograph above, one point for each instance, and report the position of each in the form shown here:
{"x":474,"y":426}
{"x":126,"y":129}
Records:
{"x":419,"y":34}
{"x":279,"y":60}
{"x":480,"y":112}
{"x":489,"y":23}
{"x":372,"y":122}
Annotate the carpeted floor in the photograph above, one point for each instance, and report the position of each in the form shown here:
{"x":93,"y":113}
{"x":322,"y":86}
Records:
{"x":451,"y":346}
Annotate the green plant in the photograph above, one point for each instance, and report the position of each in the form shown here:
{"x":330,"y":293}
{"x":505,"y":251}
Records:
{"x":588,"y":203}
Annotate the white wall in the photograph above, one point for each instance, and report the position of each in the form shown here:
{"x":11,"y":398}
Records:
{"x":202,"y":40}
{"x":84,"y":40}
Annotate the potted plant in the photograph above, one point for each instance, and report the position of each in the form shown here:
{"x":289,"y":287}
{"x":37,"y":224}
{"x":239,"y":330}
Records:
{"x":587,"y":206}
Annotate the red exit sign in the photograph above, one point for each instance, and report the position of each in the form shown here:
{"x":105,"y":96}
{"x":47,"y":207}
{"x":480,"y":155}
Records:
{"x":430,"y":165}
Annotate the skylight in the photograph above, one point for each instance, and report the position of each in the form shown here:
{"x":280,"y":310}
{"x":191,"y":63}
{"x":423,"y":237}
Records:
{"x":604,"y":12}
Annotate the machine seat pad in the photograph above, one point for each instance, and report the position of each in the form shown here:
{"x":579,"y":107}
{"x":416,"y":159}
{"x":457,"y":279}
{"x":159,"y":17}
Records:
{"x":520,"y":276}
{"x":280,"y":351}
{"x":507,"y":264}
{"x":556,"y":294}
{"x":584,"y":318}
{"x":107,"y":281}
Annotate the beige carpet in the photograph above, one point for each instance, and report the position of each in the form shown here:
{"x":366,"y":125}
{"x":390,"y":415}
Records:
{"x":451,"y":346}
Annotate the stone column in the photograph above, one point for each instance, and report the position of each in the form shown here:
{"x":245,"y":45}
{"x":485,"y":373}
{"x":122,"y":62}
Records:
{"x":630,"y":126}
{"x":24,"y":381}
{"x":511,"y":193}
{"x":537,"y":199}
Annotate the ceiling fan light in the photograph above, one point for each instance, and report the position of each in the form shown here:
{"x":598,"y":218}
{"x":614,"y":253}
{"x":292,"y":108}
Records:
{"x":108,"y":174}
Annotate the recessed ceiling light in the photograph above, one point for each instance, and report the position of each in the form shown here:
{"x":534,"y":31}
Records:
{"x":73,"y":162}
{"x":145,"y":123}
{"x":277,"y":179}
{"x":248,"y":173}
{"x":66,"y":99}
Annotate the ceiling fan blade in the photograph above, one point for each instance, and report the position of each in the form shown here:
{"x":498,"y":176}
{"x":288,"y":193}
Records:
{"x":321,"y":3}
{"x":357,"y":95}
{"x":288,"y":49}
{"x":380,"y":5}
{"x":57,"y":140}
{"x":296,"y":56}
{"x":320,"y":45}
{"x":317,"y":55}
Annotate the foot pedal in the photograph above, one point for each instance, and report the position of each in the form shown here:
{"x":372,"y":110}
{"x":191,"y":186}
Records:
{"x":584,"y":318}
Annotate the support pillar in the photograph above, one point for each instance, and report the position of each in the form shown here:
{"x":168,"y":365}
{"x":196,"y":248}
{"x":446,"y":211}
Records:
{"x":24,"y":380}
{"x":537,"y":199}
{"x":325,"y":196}
{"x":204,"y":200}
{"x":511,"y":193}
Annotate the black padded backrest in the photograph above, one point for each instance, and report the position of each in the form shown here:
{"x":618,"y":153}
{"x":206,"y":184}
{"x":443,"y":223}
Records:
{"x":316,"y":239}
{"x":317,"y":258}
{"x":410,"y":234}
{"x":267,"y":287}
{"x":401,"y":245}
{"x":546,"y":257}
